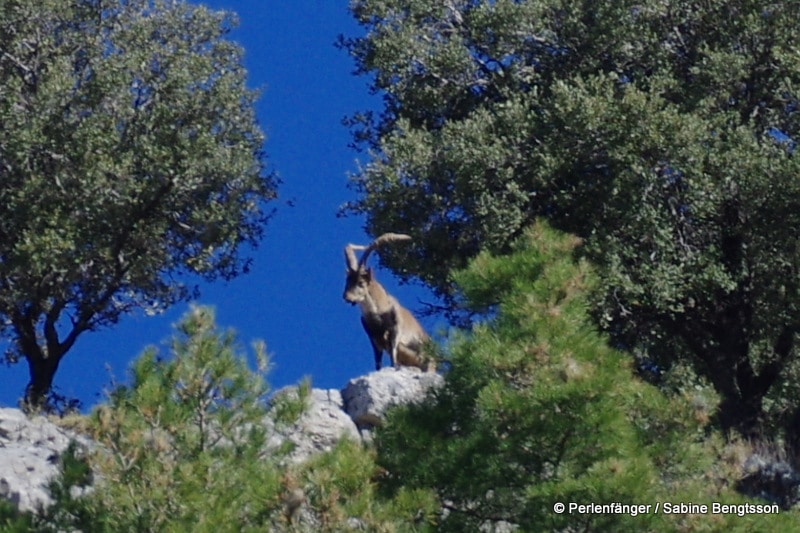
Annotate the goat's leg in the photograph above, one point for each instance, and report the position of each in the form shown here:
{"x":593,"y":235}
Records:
{"x":394,"y":344}
{"x":378,"y":353}
{"x":409,"y":356}
{"x":377,"y":338}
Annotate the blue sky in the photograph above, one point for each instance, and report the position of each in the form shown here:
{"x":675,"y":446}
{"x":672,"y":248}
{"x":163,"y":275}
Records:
{"x":292,"y":297}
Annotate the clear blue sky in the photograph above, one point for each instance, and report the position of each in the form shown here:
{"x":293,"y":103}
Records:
{"x":292,"y":297}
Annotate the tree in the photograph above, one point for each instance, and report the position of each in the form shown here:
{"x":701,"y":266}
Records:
{"x":705,"y":269}
{"x":130,"y":156}
{"x":189,"y":443}
{"x":182,"y":444}
{"x":663,"y":133}
{"x":538,"y":409}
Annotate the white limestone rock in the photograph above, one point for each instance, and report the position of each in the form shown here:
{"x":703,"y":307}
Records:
{"x":31,"y":448}
{"x":367,"y":398}
{"x":30,"y":452}
{"x":321,"y":426}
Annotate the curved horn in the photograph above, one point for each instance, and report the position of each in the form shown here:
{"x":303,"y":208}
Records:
{"x":350,"y":256}
{"x":380,"y":241}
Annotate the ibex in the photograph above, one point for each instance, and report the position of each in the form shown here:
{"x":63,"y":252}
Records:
{"x":390,"y":326}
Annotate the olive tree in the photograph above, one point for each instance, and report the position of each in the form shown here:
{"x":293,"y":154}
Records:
{"x":661,"y":132}
{"x":130,"y":157}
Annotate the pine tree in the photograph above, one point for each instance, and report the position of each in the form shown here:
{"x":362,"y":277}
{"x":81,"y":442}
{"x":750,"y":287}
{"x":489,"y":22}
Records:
{"x":181,"y":446}
{"x":538,"y":410}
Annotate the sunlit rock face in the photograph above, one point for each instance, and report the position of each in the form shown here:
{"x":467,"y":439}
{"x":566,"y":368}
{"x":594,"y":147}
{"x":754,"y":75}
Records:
{"x":366,"y":398}
{"x":30,"y":453}
{"x":31,"y":447}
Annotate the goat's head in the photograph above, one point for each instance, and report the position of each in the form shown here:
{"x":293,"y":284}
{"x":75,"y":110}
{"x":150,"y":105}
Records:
{"x":359,"y":276}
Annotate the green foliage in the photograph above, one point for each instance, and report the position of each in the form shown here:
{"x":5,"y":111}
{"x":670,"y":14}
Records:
{"x":663,"y":133}
{"x":12,"y":520}
{"x":183,"y":447}
{"x":537,"y":409}
{"x":130,"y":157}
{"x":341,"y":493}
{"x":338,"y":487}
{"x":287,"y":408}
{"x":182,"y":444}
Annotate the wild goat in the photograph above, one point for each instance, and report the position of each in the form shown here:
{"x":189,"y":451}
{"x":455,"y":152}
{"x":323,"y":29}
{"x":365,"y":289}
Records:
{"x":390,"y":326}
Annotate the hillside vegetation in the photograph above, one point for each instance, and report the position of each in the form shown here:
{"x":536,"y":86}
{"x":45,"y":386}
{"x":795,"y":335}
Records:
{"x":603,"y":195}
{"x":536,"y":410}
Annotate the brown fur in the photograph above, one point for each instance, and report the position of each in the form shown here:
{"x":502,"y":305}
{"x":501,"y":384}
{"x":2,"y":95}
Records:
{"x":391,"y":327}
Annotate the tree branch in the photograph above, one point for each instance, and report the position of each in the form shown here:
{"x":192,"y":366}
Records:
{"x":475,"y":513}
{"x":54,"y":346}
{"x":19,"y":64}
{"x":772,"y":371}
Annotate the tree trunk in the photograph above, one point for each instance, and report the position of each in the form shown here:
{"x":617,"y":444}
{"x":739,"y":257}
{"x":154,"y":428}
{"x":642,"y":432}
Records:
{"x":742,"y":389}
{"x":42,"y":362}
{"x":741,"y":407}
{"x":744,"y":415}
{"x":42,"y":370}
{"x":726,"y":357}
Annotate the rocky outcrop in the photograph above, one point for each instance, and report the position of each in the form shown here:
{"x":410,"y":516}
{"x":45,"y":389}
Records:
{"x":31,"y":448}
{"x":30,"y":453}
{"x":367,"y":398}
{"x":331,"y":415}
{"x":322,"y":424}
